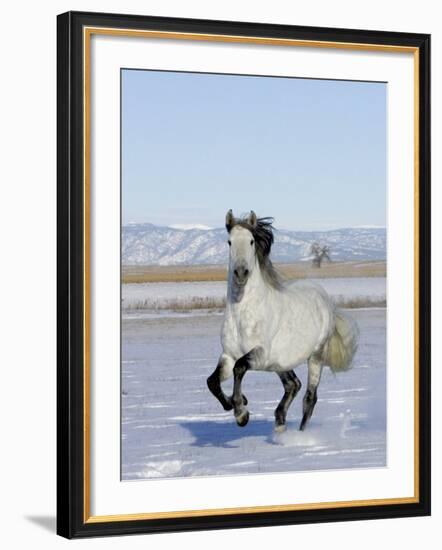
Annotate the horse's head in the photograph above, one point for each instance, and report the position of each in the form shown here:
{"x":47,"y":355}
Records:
{"x":250,"y":241}
{"x":242,"y":246}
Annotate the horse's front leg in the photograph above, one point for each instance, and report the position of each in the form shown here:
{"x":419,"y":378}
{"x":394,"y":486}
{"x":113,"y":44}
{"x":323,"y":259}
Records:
{"x":244,"y":363}
{"x":222,"y":372}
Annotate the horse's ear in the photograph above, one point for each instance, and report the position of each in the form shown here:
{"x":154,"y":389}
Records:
{"x":251,"y":219}
{"x":230,"y":220}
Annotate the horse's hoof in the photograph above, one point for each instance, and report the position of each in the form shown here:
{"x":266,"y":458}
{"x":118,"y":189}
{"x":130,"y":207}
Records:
{"x":242,"y":419}
{"x":279,"y":428}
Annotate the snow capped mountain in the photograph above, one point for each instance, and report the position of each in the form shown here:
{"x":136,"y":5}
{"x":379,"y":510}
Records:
{"x":148,"y":244}
{"x":188,"y":226}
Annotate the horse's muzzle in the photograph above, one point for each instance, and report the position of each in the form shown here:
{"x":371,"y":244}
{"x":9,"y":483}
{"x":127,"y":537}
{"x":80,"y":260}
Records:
{"x":241,"y":274}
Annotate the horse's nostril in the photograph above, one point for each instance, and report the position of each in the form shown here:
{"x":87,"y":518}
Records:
{"x":246,"y":272}
{"x":236,"y":272}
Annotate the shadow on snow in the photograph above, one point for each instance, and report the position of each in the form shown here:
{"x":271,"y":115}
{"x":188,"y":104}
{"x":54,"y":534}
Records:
{"x":226,"y":434}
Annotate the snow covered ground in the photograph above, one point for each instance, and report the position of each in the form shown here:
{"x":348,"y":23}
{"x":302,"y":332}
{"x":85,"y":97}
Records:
{"x":182,"y":296}
{"x":173,"y":427}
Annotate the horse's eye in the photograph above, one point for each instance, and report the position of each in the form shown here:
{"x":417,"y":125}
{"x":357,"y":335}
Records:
{"x":230,"y":243}
{"x":251,"y":242}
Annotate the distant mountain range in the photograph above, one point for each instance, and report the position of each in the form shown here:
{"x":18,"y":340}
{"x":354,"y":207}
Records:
{"x":148,"y":244}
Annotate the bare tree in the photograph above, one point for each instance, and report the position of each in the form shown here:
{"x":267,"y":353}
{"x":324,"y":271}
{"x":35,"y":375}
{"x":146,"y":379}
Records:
{"x":319,"y":253}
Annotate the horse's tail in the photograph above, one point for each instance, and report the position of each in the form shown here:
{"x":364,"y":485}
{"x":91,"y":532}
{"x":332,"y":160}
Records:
{"x":342,"y":344}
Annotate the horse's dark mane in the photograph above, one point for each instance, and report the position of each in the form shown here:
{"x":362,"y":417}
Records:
{"x":263,"y":235}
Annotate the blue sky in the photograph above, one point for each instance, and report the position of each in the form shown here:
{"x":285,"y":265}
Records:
{"x":310,"y":153}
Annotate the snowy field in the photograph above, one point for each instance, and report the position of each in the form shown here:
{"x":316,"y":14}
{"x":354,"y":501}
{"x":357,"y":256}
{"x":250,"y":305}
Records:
{"x":182,"y":296}
{"x":173,"y":427}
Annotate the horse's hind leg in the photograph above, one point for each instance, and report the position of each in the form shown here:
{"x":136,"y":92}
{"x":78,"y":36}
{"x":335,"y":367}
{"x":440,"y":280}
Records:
{"x":223,"y":371}
{"x":292,"y":385}
{"x":311,"y":395}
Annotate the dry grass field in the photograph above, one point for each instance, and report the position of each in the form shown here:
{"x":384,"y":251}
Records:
{"x":300,"y":270}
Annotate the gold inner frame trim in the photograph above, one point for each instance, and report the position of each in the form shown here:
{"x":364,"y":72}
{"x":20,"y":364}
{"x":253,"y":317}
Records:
{"x":87,"y":33}
{"x":246,"y":39}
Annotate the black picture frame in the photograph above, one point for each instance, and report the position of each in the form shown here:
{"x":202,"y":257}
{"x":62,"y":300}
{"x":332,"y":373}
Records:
{"x":72,"y":520}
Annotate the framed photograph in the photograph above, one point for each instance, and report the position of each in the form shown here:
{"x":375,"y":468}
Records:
{"x":243,"y":274}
